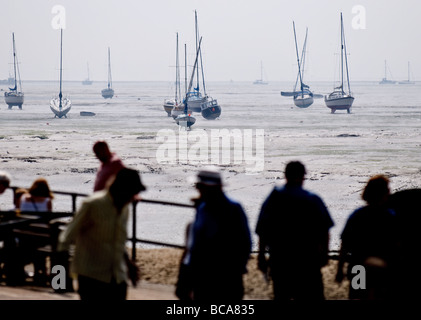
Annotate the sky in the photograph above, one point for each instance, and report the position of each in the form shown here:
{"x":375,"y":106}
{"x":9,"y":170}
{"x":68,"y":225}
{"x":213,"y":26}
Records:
{"x":237,"y":37}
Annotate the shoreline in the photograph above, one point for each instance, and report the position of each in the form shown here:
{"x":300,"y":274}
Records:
{"x":160,"y":266}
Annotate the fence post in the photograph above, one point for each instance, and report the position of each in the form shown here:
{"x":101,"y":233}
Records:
{"x":134,"y":230}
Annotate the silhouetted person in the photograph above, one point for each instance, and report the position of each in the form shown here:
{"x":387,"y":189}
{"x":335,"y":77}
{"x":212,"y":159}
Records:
{"x":369,"y":239}
{"x":110,"y":164}
{"x":407,"y":206}
{"x":218,"y":244}
{"x":293,"y":227}
{"x":99,"y":231}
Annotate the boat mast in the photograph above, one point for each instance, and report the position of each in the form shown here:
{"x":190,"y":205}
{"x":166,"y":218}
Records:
{"x":177,"y":73}
{"x":109,"y":70}
{"x":298,"y":58}
{"x":14,"y":60}
{"x":185,"y":67}
{"x":192,"y":75}
{"x":408,"y":72}
{"x":60,"y":95}
{"x":87,"y":65}
{"x":346,"y":58}
{"x":197,"y":45}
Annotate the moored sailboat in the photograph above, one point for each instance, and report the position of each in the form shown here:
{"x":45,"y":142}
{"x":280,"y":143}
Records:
{"x":15,"y":97}
{"x":87,"y":81}
{"x":385,"y":80}
{"x":60,"y":106}
{"x":409,"y":78}
{"x":339,"y":99}
{"x":169,"y":104}
{"x":260,"y":81}
{"x":108,"y":92}
{"x":302,"y":98}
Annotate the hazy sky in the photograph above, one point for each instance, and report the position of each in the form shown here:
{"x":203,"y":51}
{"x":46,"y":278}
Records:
{"x":237,"y":36}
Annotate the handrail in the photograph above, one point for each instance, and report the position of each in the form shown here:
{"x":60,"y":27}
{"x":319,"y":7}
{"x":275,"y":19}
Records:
{"x":134,"y":240}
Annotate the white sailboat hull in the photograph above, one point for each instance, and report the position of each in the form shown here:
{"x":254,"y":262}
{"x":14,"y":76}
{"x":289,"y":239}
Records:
{"x":303,"y":102}
{"x":179,"y":110}
{"x":107,"y":93}
{"x":336,"y":102}
{"x":185,"y":120}
{"x":14,"y":99}
{"x":66,"y":105}
{"x":169,"y":105}
{"x":195,"y":101}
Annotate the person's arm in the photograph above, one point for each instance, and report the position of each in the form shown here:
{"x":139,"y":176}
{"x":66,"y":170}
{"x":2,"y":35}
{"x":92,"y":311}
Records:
{"x":49,"y":205}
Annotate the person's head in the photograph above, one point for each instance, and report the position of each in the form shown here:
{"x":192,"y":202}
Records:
{"x":40,"y":188}
{"x":208,"y":181}
{"x":102,"y":151}
{"x":125,"y":186}
{"x":294,"y":173}
{"x":377,"y":190}
{"x":4,"y":181}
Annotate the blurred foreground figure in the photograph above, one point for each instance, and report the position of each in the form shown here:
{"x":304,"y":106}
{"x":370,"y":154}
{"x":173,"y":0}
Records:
{"x":370,"y":241}
{"x":218,"y":245}
{"x":293,"y":229}
{"x":110,"y":164}
{"x":99,"y":231}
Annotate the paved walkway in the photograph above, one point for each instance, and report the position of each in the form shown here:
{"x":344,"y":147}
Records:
{"x":143,"y":291}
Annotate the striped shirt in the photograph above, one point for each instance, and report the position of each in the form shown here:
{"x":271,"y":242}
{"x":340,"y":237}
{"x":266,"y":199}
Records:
{"x":99,"y":233}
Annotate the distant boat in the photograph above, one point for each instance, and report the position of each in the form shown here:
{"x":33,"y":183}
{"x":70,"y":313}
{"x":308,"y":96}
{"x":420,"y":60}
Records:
{"x":409,"y":78}
{"x":211,"y":110}
{"x":169,"y":104}
{"x":87,"y":81}
{"x":9,"y":81}
{"x":108,"y":92}
{"x":87,"y":114}
{"x":385,"y":80}
{"x":339,"y":99}
{"x":260,"y":81}
{"x":303,"y":98}
{"x":14,"y":97}
{"x":59,"y":105}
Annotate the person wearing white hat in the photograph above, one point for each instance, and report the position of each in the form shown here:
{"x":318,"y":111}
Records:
{"x":218,"y":244}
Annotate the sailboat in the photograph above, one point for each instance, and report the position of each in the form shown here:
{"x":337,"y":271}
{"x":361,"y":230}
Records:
{"x":260,"y":81}
{"x":15,"y":97}
{"x":210,"y":109}
{"x":60,"y":106}
{"x":108,"y":92}
{"x":303,"y":98}
{"x":169,"y":104}
{"x":385,"y":80}
{"x":179,"y":109}
{"x":87,"y":81}
{"x":195,"y":99}
{"x":186,"y":119}
{"x":409,"y":78}
{"x":339,"y":99}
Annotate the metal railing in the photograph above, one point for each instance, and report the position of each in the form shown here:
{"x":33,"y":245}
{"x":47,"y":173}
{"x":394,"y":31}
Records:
{"x":133,"y":239}
{"x":333,"y":254}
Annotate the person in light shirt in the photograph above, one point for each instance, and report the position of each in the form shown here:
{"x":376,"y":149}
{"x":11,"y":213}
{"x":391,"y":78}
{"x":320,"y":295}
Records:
{"x":99,"y":232}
